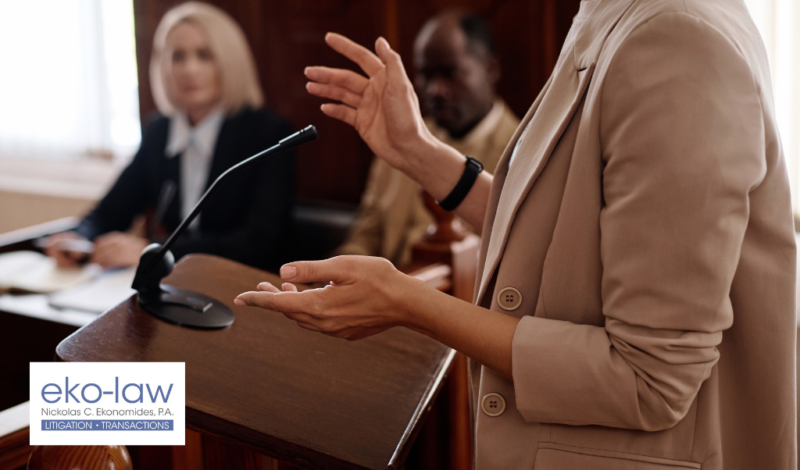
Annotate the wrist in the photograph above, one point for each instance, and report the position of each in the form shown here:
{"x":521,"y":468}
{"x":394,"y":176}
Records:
{"x":436,"y":167}
{"x":472,"y":169}
{"x":415,"y":154}
{"x":415,"y":306}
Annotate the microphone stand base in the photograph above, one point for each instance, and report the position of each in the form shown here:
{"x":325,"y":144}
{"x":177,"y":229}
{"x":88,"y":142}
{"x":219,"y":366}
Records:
{"x":187,"y":308}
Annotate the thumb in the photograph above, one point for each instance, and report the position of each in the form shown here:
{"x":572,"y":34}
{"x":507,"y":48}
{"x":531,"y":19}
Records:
{"x":339,"y":270}
{"x":392,"y":60}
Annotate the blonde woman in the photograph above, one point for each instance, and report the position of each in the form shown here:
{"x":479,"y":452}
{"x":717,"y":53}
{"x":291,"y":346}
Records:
{"x":211,"y":117}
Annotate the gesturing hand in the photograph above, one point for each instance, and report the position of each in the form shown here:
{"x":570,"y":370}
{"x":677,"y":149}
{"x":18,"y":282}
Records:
{"x":382,"y":106}
{"x":367,"y":296}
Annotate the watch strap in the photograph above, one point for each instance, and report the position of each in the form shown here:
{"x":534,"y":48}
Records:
{"x":472,"y":168}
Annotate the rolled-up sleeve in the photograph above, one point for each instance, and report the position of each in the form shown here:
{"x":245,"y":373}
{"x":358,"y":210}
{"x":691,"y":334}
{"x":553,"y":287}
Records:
{"x":682,"y":136}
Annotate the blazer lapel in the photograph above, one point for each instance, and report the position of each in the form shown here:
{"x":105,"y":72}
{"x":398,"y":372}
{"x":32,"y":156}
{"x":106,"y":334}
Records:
{"x":540,"y":131}
{"x":499,"y":178}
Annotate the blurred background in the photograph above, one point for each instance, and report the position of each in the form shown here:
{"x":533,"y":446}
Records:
{"x":75,"y":89}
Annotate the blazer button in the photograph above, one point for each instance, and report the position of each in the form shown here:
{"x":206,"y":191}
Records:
{"x":509,"y":299}
{"x":493,"y":404}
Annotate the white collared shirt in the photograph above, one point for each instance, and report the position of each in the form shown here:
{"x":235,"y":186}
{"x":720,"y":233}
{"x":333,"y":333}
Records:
{"x":195,"y":145}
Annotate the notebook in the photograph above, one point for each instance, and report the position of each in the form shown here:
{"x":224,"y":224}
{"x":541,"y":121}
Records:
{"x":98,"y":295}
{"x":29,"y":271}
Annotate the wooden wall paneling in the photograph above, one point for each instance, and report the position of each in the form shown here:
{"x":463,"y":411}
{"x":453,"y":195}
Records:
{"x":335,"y":167}
{"x":147,"y":14}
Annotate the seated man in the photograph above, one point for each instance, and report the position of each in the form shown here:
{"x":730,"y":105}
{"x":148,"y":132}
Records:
{"x":456,"y":77}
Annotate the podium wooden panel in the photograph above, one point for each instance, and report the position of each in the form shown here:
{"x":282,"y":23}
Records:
{"x":265,"y":383}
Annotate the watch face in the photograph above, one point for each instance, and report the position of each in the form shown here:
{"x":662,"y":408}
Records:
{"x":475,"y":162}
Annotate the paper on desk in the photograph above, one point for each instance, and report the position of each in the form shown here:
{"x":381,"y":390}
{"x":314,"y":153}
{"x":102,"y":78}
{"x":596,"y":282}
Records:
{"x":99,"y":295}
{"x":34,"y":272}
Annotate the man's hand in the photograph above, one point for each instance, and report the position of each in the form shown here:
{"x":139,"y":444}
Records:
{"x":117,"y":250}
{"x":367,"y":296}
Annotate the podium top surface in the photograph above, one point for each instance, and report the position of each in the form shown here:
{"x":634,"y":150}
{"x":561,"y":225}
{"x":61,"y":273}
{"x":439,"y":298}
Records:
{"x":264,"y":382}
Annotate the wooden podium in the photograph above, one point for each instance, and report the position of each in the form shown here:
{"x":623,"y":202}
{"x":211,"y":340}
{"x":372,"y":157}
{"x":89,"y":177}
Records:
{"x":269,"y":386}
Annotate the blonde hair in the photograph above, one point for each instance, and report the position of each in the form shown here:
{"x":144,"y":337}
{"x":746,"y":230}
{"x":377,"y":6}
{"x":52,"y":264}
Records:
{"x":240,"y":87}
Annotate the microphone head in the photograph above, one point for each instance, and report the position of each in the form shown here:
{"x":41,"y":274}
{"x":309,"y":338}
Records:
{"x":153,"y":266}
{"x":306,"y":135}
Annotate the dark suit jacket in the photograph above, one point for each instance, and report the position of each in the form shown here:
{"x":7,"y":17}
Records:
{"x":247,"y":219}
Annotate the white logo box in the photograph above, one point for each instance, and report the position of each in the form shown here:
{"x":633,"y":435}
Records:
{"x":108,"y":403}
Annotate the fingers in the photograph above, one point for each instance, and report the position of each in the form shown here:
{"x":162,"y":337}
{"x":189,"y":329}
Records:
{"x":104,"y":258}
{"x":340,"y":112}
{"x":269,"y":287}
{"x":388,"y":56}
{"x":63,"y":258}
{"x":287,"y":287}
{"x":395,"y":71}
{"x":66,"y":259}
{"x":340,"y":270}
{"x":55,"y":247}
{"x":334,"y":92}
{"x":284,"y":302}
{"x":106,"y":248}
{"x":347,"y":79}
{"x":253,"y":299}
{"x":303,"y":319}
{"x":51,"y":251}
{"x":117,"y":249}
{"x":110,"y":237}
{"x":359,"y":54}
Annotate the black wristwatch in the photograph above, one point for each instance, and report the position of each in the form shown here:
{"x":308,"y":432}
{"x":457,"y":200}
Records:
{"x":472,"y":168}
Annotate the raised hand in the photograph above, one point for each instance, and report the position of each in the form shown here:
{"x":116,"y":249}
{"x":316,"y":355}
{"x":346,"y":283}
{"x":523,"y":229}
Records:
{"x":384,"y":109}
{"x":382,"y":106}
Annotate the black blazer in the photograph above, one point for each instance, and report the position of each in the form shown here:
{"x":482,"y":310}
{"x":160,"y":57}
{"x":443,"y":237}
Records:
{"x":247,"y":219}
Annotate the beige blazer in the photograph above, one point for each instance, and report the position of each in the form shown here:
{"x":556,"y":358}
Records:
{"x":644,"y":235}
{"x":392,"y":216}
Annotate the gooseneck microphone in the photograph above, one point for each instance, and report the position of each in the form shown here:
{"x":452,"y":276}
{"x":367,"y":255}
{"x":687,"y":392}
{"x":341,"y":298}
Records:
{"x":182,"y":306}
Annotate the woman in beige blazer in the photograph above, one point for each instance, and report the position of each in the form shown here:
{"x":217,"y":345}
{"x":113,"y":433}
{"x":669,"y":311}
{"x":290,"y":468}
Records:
{"x":635,"y":307}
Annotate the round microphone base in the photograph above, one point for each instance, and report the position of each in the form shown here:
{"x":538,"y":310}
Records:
{"x":187,"y":308}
